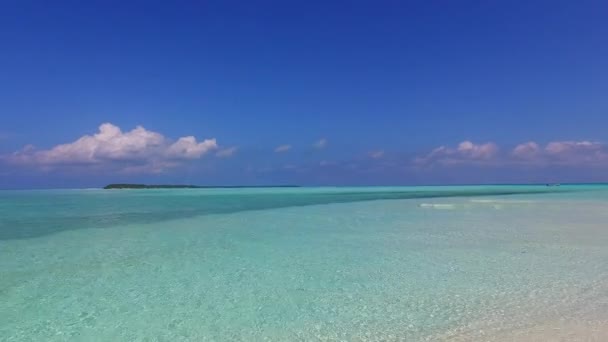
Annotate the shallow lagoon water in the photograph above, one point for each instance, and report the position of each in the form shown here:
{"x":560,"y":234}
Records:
{"x":354,"y":264}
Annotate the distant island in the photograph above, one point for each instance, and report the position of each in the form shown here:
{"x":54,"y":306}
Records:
{"x":186,"y":186}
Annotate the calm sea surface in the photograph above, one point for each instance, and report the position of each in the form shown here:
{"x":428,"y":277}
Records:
{"x":301,"y":264}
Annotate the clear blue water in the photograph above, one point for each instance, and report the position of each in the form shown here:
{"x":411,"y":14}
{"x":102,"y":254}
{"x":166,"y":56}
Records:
{"x":354,"y":264}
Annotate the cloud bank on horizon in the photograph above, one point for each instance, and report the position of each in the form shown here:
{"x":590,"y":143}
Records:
{"x":143,"y":151}
{"x":556,"y":153}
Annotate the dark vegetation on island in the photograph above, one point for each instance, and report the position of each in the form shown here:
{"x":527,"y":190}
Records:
{"x":186,"y":186}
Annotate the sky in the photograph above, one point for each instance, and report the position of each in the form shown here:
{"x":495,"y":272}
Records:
{"x":306,"y":92}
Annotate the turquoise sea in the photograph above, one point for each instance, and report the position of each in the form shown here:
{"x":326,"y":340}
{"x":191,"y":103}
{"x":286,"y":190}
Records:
{"x":466,"y":263}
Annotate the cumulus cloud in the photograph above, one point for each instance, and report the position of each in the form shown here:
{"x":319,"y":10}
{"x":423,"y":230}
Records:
{"x":561,"y":147}
{"x":528,"y":150}
{"x":320,"y":144}
{"x":282,"y":148}
{"x":556,"y":153}
{"x":465,"y":152}
{"x":566,"y":153}
{"x":226,"y":152}
{"x":135,"y":150}
{"x":189,"y":148}
{"x":473,"y":151}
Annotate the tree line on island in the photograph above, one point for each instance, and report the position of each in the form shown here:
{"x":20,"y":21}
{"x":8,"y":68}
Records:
{"x":187,"y":186}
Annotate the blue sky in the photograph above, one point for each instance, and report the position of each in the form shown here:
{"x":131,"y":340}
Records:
{"x":501,"y":91}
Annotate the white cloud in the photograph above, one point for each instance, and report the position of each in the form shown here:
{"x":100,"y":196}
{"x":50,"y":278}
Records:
{"x":138,"y":149}
{"x":376,"y":154}
{"x":527,"y":150}
{"x":226,"y":152}
{"x":282,"y":148}
{"x":565,"y":153}
{"x":473,"y":151}
{"x":189,"y":148}
{"x":564,"y":147}
{"x":558,"y":153}
{"x":320,"y":144}
{"x":465,"y":152}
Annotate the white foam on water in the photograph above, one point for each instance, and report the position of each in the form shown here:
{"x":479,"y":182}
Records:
{"x":441,"y":206}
